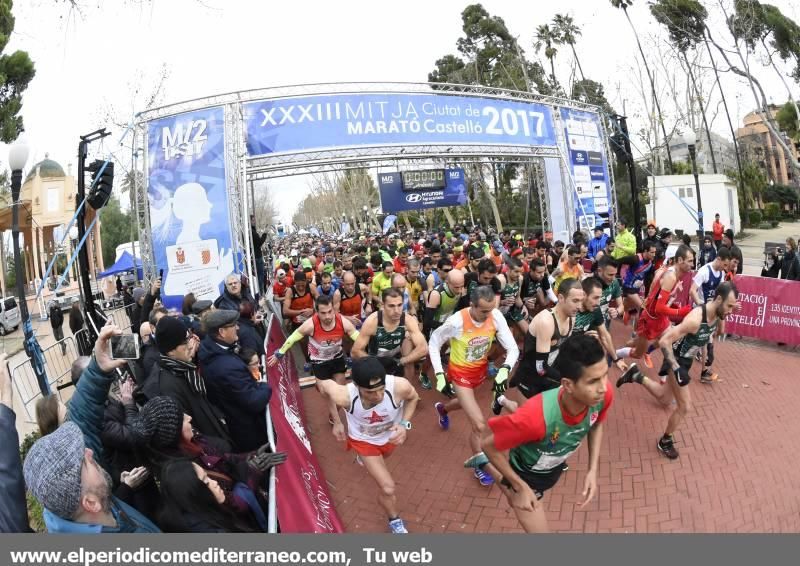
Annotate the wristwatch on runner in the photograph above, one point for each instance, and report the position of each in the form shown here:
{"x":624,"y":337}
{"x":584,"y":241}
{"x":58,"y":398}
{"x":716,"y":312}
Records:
{"x":406,"y":424}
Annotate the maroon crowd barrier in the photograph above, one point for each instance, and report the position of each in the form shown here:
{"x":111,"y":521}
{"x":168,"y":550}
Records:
{"x":304,"y":504}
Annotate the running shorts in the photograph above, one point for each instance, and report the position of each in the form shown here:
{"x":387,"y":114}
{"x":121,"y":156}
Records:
{"x":529,"y":382}
{"x":326,"y":370}
{"x":364,"y":448}
{"x":629,"y":291}
{"x":391,"y":366}
{"x":538,"y":482}
{"x":651,"y":328}
{"x":513,"y":316}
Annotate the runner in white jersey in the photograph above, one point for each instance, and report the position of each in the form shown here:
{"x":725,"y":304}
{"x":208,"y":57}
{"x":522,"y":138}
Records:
{"x":378,"y":409}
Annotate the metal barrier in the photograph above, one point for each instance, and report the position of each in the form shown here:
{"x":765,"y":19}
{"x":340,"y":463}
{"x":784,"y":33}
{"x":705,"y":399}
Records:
{"x":119,"y":316}
{"x":58,"y":360}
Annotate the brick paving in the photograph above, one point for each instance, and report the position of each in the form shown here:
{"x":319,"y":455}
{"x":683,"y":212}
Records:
{"x":738,"y":469}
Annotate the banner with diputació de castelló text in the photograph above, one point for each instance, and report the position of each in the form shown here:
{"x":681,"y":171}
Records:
{"x":770,"y":309}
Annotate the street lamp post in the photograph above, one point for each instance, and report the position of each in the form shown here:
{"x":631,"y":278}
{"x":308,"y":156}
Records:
{"x":365,"y":208}
{"x":73,"y":238}
{"x":17,"y":157}
{"x":691,"y":141}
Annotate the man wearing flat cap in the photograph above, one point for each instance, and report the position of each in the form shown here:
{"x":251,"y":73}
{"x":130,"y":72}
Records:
{"x":175,"y":375}
{"x":230,"y":385}
{"x":64,"y":470}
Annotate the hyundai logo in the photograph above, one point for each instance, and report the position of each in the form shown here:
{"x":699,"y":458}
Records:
{"x":414,"y":197}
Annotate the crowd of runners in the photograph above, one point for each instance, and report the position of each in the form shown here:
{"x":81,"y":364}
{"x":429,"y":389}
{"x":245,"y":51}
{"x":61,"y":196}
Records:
{"x":454,"y":309}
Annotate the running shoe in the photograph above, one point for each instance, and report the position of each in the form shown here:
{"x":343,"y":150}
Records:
{"x":397,"y":527}
{"x":631,"y":375}
{"x":485,"y":479}
{"x":425,"y":382}
{"x":491,"y":371}
{"x":667,"y":448}
{"x":476,"y":461}
{"x":564,"y":467}
{"x":648,"y":361}
{"x":359,"y":461}
{"x":706,"y":376}
{"x":444,"y":419}
{"x":307,"y":367}
{"x":348,"y":362}
{"x":497,"y":407}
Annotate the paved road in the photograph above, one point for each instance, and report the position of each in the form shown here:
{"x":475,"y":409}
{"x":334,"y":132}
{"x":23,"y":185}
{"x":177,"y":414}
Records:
{"x":740,"y":452}
{"x":753,"y":246}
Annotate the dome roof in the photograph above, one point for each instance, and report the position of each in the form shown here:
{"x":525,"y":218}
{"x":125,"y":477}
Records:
{"x":46,"y":168}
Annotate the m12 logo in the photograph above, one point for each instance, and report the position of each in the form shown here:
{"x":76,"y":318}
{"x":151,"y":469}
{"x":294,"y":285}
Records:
{"x":387,"y":179}
{"x":455,"y":175}
{"x":185,"y":139}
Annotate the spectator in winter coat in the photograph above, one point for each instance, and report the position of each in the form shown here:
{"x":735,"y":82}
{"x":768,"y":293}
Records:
{"x":64,"y":470}
{"x":57,"y":324}
{"x":13,"y":511}
{"x":598,"y":242}
{"x":790,"y":266}
{"x":727,"y":241}
{"x":177,"y":376}
{"x":230,"y":385}
{"x":707,"y":252}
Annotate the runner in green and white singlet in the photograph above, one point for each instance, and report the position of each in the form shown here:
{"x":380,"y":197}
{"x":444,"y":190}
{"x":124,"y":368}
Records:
{"x":510,"y":296}
{"x":547,"y":429}
{"x":680,"y":344}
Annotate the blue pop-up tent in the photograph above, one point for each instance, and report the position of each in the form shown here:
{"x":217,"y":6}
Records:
{"x":125,"y":263}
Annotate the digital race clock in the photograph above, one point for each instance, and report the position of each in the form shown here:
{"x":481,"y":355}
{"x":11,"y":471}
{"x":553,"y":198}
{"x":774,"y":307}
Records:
{"x":431,"y":179}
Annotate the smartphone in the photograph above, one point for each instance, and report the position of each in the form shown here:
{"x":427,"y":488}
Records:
{"x":125,"y":347}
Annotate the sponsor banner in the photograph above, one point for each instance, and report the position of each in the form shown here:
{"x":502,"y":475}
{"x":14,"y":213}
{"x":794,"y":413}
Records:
{"x":395,"y":199}
{"x":304,"y":502}
{"x":589,"y":168}
{"x":349,"y":120}
{"x":189,"y":204}
{"x":770,"y":309}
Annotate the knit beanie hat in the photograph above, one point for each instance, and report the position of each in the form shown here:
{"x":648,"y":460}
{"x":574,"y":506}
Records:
{"x":159,"y":422}
{"x":170,"y":333}
{"x":52,"y":470}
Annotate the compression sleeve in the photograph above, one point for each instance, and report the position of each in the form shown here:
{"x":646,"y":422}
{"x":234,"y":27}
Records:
{"x":293,"y":338}
{"x":663,"y":309}
{"x":552,"y":296}
{"x":541,"y":362}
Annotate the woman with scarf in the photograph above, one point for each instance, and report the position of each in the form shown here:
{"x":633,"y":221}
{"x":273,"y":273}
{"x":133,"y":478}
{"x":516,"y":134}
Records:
{"x":237,"y":481}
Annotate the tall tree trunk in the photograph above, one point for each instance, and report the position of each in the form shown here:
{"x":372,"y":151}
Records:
{"x":577,"y":61}
{"x":660,"y":117}
{"x":702,"y":111}
{"x":727,"y":115}
{"x":449,"y":217}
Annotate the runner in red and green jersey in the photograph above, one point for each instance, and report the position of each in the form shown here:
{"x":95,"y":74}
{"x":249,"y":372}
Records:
{"x":547,"y":429}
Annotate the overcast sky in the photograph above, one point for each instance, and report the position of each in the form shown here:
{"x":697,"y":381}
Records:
{"x":90,"y":62}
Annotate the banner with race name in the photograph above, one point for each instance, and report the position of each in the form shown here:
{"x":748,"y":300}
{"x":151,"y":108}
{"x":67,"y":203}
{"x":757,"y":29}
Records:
{"x":770,"y":309}
{"x":189,"y":204}
{"x":304,"y":502}
{"x":353,"y":119}
{"x":589,"y":167}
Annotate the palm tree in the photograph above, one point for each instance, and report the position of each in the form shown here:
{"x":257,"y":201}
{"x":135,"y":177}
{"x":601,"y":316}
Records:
{"x":568,"y":33}
{"x":547,"y":38}
{"x":623,"y":5}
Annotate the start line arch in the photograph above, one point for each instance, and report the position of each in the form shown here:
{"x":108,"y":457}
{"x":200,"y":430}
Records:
{"x":195,"y":158}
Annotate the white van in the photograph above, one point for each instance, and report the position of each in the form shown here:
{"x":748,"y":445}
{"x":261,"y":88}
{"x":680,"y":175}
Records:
{"x":9,"y":315}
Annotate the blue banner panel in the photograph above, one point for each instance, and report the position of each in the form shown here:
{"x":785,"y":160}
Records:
{"x":189,"y":204}
{"x":395,"y":199}
{"x":589,"y":167}
{"x":349,"y":120}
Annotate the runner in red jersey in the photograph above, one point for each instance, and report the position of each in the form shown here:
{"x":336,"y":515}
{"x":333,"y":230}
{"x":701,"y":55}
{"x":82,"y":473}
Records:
{"x":655,"y":318}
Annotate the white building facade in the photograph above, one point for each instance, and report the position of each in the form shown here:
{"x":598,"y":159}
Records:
{"x":673,"y":202}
